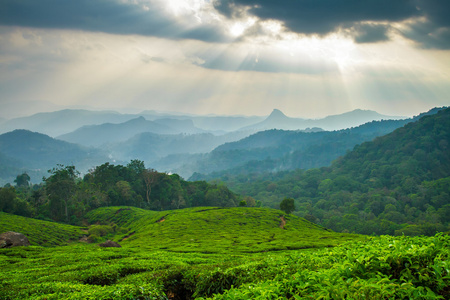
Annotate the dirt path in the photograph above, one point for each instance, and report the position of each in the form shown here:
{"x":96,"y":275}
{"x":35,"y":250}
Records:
{"x":161,"y":220}
{"x":283,"y":222}
{"x":128,"y":236}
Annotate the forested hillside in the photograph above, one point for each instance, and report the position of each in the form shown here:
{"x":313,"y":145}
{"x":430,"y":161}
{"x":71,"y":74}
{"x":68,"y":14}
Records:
{"x":399,"y":183}
{"x":280,"y":150}
{"x":35,"y":153}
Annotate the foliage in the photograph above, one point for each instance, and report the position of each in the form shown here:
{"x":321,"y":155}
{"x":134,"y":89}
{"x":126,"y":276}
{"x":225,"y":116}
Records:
{"x":40,"y":233}
{"x":65,"y":197}
{"x":287,"y":205}
{"x":22,"y":180}
{"x":381,"y":268}
{"x":375,"y":268}
{"x":213,"y":229}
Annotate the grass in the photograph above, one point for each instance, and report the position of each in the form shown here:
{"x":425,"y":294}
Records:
{"x":377,"y":268}
{"x":42,"y":233}
{"x":216,"y":230}
{"x":233,"y":253}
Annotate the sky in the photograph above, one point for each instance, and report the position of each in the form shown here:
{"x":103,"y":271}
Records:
{"x":308,"y":58}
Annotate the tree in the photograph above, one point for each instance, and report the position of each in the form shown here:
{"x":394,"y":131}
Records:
{"x":150,"y":178}
{"x":8,"y":199}
{"x":60,"y":188}
{"x":22,"y":180}
{"x":287,"y":205}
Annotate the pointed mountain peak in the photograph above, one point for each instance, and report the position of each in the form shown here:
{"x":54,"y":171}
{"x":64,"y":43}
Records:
{"x":277,"y":114}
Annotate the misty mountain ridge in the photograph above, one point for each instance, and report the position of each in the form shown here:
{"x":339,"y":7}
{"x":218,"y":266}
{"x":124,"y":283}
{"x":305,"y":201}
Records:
{"x":65,"y":121}
{"x":278,"y":120}
{"x":97,"y":135}
{"x":151,"y":147}
{"x":36,"y":152}
{"x":171,"y":151}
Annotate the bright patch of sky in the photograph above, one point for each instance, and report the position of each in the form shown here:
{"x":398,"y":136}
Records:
{"x":307,"y":58}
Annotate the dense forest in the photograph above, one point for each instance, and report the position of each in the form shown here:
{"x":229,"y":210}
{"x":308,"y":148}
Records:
{"x":396,"y":184}
{"x":66,"y":197}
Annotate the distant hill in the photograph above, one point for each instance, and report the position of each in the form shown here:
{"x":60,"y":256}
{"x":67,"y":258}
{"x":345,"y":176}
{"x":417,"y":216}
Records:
{"x":37,"y":153}
{"x":278,"y":120}
{"x":68,"y":120}
{"x":97,"y":135}
{"x":63,"y":121}
{"x":151,"y":147}
{"x":216,"y":124}
{"x":180,"y":125}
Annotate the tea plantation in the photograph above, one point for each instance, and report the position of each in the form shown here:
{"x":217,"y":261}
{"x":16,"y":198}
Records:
{"x":216,"y":253}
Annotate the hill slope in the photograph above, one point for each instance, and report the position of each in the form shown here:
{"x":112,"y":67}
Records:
{"x":280,"y":150}
{"x":278,"y":120}
{"x":96,"y":135}
{"x":216,"y":230}
{"x":63,"y":121}
{"x":151,"y":147}
{"x":36,"y":153}
{"x":42,"y":233}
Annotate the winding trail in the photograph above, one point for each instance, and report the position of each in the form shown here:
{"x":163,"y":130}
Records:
{"x":283,"y":222}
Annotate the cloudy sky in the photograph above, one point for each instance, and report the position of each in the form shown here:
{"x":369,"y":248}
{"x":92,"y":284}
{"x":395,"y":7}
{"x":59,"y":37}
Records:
{"x":309,"y":58}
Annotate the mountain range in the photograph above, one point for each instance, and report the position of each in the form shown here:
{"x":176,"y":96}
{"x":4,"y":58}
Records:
{"x":65,"y":121}
{"x":179,"y":143}
{"x":97,"y":135}
{"x":281,"y":150}
{"x":278,"y":120}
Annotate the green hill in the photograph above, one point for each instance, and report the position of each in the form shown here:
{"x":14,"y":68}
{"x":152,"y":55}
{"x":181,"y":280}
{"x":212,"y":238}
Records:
{"x":365,"y":268}
{"x":215,"y":230}
{"x":200,"y":229}
{"x":41,"y":233}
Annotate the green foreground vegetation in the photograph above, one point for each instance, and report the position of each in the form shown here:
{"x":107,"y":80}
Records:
{"x":217,"y":253}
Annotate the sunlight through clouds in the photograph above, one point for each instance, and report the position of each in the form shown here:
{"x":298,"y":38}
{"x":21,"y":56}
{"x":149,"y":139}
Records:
{"x":244,"y":56}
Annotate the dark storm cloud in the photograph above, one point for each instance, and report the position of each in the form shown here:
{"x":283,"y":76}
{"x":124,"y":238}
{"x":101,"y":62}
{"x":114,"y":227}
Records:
{"x":370,"y":33}
{"x":434,"y":31}
{"x":110,"y":16}
{"x":322,"y":17}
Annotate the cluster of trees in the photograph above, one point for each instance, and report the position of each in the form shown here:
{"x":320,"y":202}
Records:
{"x":66,"y":197}
{"x":399,"y":183}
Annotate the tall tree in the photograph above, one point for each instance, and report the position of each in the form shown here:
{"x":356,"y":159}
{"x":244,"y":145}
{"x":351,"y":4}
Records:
{"x":60,"y":188}
{"x":287,"y":205}
{"x":22,"y":180}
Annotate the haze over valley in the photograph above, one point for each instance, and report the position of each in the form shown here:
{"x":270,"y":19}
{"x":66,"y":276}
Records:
{"x":178,"y":143}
